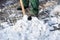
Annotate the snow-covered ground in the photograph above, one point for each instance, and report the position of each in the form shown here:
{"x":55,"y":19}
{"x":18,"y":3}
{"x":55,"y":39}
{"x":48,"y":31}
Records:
{"x":35,"y":29}
{"x":42,"y":28}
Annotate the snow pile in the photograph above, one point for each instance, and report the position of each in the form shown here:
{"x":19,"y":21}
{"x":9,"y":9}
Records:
{"x":34,"y":29}
{"x":29,"y":30}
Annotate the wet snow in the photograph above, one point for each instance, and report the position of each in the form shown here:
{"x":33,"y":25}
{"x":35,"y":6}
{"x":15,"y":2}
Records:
{"x":35,"y":29}
{"x":30,"y":30}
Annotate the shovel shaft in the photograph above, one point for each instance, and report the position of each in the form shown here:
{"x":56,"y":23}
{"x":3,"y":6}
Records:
{"x":22,"y":6}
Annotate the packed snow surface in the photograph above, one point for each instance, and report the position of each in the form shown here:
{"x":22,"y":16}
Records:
{"x":29,"y":30}
{"x":35,"y":29}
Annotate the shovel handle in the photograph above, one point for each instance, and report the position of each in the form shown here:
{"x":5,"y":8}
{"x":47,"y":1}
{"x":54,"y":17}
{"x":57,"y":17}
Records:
{"x":22,"y":6}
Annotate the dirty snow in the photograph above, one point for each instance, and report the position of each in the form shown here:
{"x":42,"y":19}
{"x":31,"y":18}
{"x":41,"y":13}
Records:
{"x":29,"y":30}
{"x":36,"y":29}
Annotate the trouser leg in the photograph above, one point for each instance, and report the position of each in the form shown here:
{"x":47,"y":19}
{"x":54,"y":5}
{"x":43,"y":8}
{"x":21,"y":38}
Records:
{"x":26,"y":3}
{"x":34,"y":7}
